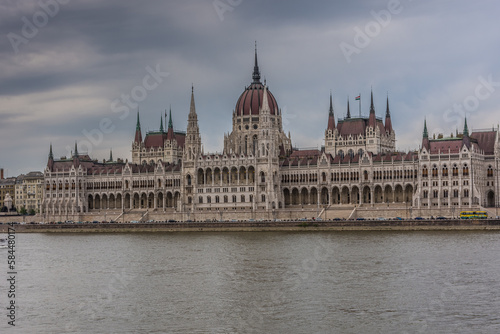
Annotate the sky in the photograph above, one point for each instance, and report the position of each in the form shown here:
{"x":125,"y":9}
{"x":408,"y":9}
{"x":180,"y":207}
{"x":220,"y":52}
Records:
{"x":78,"y":71}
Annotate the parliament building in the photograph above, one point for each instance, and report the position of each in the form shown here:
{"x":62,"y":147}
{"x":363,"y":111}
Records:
{"x":260,"y":175}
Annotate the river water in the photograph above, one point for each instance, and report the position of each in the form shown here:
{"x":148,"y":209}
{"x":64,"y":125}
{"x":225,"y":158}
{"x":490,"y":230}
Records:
{"x":256,"y":282}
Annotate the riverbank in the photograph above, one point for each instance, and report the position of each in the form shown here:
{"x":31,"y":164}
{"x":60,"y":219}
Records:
{"x":242,"y":226}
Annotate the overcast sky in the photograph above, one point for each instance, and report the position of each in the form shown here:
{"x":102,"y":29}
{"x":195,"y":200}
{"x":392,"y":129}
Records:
{"x":66,"y":68}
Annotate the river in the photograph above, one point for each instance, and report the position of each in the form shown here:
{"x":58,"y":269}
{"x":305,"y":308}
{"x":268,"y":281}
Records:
{"x":256,"y":282}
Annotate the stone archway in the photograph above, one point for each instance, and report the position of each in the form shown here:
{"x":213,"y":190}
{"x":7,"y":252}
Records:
{"x":490,"y":199}
{"x":286,"y":196}
{"x":379,"y":197}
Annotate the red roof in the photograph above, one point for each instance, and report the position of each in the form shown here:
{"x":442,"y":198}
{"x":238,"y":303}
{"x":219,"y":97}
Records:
{"x":486,"y":141}
{"x":155,"y":139}
{"x":352,"y":126}
{"x":180,"y":137}
{"x":251,"y":100}
{"x":445,"y":145}
{"x":305,"y":153}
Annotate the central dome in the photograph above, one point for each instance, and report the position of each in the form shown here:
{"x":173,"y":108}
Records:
{"x":251,"y":99}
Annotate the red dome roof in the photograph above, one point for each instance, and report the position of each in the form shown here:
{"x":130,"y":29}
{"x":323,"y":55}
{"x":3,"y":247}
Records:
{"x":251,"y":100}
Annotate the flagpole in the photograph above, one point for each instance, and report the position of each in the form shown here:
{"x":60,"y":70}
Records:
{"x":359,"y":104}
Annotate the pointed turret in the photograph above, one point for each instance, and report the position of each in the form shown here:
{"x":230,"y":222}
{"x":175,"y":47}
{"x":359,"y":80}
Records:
{"x":76,"y":150}
{"x":170,"y":124}
{"x":170,"y":131}
{"x":348,"y":109}
{"x":50,"y":163}
{"x":425,"y":136}
{"x":138,"y":135}
{"x":110,"y":155}
{"x":265,"y":103}
{"x":331,"y":117}
{"x":372,"y":121}
{"x":466,"y":138}
{"x":466,"y":128}
{"x":161,"y":124}
{"x":256,"y":72}
{"x":76,"y":160}
{"x":192,"y":108}
{"x":388,"y":123}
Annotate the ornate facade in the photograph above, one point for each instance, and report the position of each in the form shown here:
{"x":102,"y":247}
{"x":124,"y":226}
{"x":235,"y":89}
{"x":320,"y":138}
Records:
{"x":260,"y":175}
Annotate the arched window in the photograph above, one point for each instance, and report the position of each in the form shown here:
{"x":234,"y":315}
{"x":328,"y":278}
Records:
{"x":434,"y":171}
{"x":490,"y":171}
{"x":465,"y":170}
{"x":200,"y":200}
{"x":445,"y":170}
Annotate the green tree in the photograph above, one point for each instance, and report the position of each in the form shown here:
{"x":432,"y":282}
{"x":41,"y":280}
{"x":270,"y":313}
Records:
{"x":23,"y":211}
{"x":32,"y":212}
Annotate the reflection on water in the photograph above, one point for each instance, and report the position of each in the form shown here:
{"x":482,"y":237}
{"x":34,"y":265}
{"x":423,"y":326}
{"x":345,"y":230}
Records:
{"x":262,"y":282}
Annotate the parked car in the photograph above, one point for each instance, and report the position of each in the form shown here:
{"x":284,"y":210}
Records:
{"x":419,"y":218}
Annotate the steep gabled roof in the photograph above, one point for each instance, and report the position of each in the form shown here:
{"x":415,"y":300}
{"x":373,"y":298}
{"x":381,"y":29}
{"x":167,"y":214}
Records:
{"x":485,"y":140}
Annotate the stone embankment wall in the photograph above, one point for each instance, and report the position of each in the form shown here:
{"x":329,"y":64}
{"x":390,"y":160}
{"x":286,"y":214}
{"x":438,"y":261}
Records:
{"x":342,"y":225}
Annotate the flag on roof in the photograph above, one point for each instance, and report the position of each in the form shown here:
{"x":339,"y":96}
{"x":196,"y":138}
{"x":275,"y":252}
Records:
{"x":358,"y":98}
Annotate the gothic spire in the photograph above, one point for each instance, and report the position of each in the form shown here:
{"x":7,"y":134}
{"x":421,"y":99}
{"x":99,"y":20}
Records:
{"x":170,"y":124}
{"x":372,"y":120}
{"x":50,"y":163}
{"x":138,"y":124}
{"x":331,"y":118}
{"x":348,"y":109}
{"x":110,"y":155}
{"x":192,"y":146}
{"x":170,"y":131}
{"x":161,"y":124}
{"x":76,"y":150}
{"x":256,"y":73}
{"x":466,"y":128}
{"x":372,"y":107}
{"x":265,"y":103}
{"x":425,"y":137}
{"x":192,"y":108}
{"x":331,"y":104}
{"x":388,"y":122}
{"x":138,"y":134}
{"x":387,"y":112}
